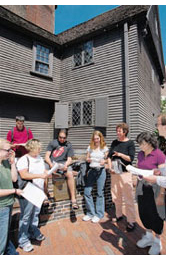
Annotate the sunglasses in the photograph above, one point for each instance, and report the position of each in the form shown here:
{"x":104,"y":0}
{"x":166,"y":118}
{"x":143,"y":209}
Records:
{"x":62,"y":137}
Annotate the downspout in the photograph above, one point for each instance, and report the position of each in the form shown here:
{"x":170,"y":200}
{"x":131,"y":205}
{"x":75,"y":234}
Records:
{"x":126,"y":63}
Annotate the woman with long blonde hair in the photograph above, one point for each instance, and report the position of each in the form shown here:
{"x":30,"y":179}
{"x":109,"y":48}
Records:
{"x":96,"y":155}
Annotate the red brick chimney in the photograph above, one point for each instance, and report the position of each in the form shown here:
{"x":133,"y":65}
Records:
{"x":41,"y":15}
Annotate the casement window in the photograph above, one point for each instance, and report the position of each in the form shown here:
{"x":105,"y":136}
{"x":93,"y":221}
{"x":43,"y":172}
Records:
{"x":42,"y":60}
{"x":82,"y":113}
{"x":83,"y":54}
{"x":89,"y":112}
{"x":92,"y":112}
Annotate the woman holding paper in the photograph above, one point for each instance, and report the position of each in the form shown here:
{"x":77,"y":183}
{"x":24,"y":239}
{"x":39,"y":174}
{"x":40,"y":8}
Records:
{"x":31,"y":167}
{"x":96,"y":155}
{"x":121,"y":184}
{"x":149,"y":158}
{"x":8,"y":175}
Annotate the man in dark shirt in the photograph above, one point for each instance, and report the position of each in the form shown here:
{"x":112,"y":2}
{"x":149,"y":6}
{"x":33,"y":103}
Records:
{"x":60,"y":151}
{"x":121,"y":184}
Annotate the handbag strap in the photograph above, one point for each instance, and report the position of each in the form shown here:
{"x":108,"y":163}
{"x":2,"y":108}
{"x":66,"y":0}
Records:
{"x":28,"y":161}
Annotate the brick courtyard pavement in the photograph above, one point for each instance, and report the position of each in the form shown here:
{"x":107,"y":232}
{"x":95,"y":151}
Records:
{"x":76,"y":237}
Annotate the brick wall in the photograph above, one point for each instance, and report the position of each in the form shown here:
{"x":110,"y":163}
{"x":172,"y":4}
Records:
{"x":41,"y":15}
{"x":62,"y":209}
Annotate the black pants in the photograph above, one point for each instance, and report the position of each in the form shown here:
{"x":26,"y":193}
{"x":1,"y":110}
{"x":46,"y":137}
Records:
{"x":148,"y":211}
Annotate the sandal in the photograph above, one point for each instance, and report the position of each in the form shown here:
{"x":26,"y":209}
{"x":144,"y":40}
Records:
{"x":75,"y":206}
{"x":130,"y":226}
{"x":117,"y":219}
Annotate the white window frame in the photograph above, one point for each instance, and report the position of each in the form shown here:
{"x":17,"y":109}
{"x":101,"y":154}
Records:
{"x":50,"y":63}
{"x":81,"y":46}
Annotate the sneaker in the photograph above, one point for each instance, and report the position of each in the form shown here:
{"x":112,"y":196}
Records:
{"x":95,"y":219}
{"x":27,"y":247}
{"x":87,"y":218}
{"x":146,"y":240}
{"x":41,"y":237}
{"x":156,"y":247}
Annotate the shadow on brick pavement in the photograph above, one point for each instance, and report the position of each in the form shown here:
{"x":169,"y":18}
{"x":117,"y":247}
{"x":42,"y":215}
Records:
{"x":64,"y":237}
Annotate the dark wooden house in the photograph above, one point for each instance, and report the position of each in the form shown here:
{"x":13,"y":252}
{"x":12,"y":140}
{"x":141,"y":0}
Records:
{"x":93,"y":76}
{"x":111,"y":71}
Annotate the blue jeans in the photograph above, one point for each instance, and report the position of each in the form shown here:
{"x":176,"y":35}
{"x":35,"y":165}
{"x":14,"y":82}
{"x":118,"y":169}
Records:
{"x":99,"y":177}
{"x":10,"y":249}
{"x":28,"y":223}
{"x":6,"y":246}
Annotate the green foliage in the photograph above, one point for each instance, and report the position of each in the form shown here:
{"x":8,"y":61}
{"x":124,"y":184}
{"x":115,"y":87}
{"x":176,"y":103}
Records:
{"x":163,"y":105}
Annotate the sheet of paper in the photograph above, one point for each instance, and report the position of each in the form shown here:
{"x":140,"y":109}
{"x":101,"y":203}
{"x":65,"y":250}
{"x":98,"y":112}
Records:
{"x":34,"y":194}
{"x":163,"y":171}
{"x":139,"y":172}
{"x":54,"y":168}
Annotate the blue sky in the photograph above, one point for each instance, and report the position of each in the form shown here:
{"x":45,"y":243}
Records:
{"x":67,"y":16}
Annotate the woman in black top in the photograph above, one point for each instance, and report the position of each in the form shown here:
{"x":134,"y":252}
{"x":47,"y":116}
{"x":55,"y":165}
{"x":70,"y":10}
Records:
{"x":121,"y":184}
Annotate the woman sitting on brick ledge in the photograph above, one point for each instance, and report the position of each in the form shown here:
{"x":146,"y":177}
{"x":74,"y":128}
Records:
{"x":96,"y":155}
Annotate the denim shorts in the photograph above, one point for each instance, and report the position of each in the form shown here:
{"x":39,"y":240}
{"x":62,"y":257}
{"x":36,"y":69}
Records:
{"x":69,"y":169}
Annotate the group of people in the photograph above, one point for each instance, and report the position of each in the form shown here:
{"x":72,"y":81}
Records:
{"x":20,"y":160}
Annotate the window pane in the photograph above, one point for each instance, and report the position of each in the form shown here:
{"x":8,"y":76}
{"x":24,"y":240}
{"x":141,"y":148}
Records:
{"x":42,"y":54}
{"x":88,"y":52}
{"x":42,"y":68}
{"x":76,"y":113}
{"x":78,"y":56}
{"x":87,"y":112}
{"x":42,"y":61}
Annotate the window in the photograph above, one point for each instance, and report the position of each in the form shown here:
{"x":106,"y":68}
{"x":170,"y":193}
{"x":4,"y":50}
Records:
{"x":76,"y":113}
{"x":42,"y":60}
{"x":92,"y":112}
{"x":82,"y":113}
{"x":83,"y":54}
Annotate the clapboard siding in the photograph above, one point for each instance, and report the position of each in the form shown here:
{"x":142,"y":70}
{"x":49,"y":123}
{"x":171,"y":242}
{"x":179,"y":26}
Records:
{"x":133,"y":86}
{"x":39,"y":115}
{"x":16,"y":62}
{"x":102,"y":78}
{"x":148,"y":91}
{"x":98,"y":78}
{"x":106,"y":78}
